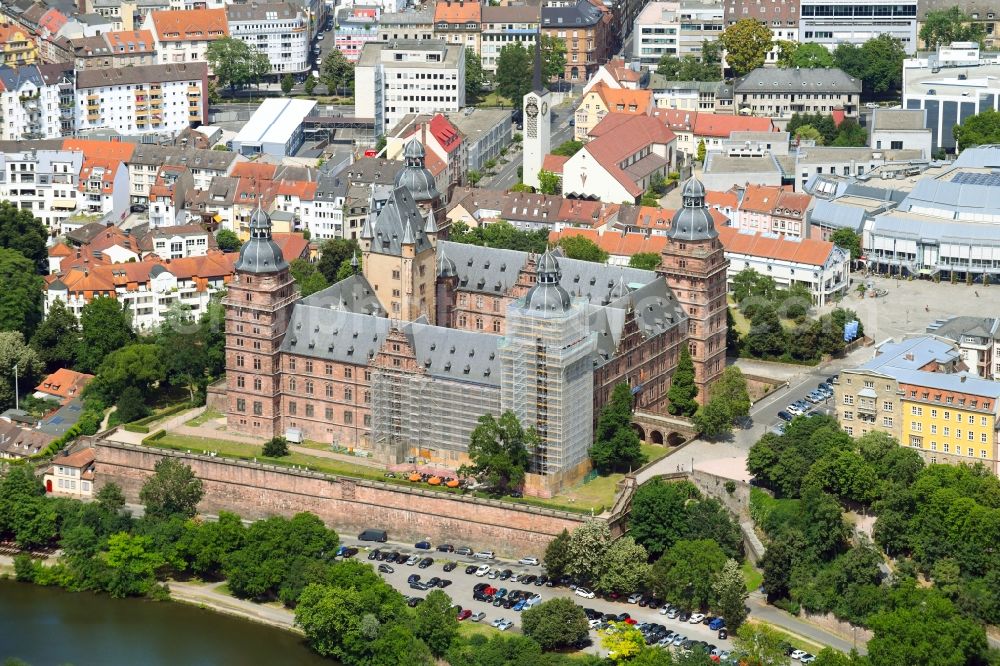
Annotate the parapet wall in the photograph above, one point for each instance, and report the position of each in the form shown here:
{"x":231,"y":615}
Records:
{"x":256,"y":491}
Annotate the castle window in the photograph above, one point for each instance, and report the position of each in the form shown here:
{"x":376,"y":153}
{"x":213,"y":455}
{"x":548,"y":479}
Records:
{"x":309,"y":387}
{"x":395,"y":274}
{"x":256,"y":364}
{"x":349,"y":393}
{"x":249,"y":297}
{"x":291,"y":364}
{"x":309,"y":366}
{"x":329,"y":369}
{"x":348,"y":372}
{"x":368,"y":420}
{"x":293,"y":407}
{"x":292,"y":384}
{"x":258,"y":408}
{"x":241,"y":405}
{"x":479,"y":323}
{"x":368,"y":397}
{"x":309,"y":409}
{"x":328,"y":413}
{"x":329,"y":390}
{"x":240,"y":382}
{"x":257,"y":384}
{"x":348,"y":417}
{"x":239,"y":361}
{"x":496,"y":326}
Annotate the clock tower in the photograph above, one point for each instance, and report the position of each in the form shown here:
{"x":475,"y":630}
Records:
{"x":537,"y":122}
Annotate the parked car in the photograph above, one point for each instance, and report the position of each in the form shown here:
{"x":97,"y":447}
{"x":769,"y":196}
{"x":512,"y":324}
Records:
{"x":584,"y":592}
{"x":463,"y":550}
{"x":785,"y":416}
{"x":413,"y":578}
{"x":412,"y":602}
{"x":446,"y":548}
{"x":373,"y":535}
{"x":476,"y":617}
{"x":528,"y":561}
{"x":471,"y":569}
{"x":723,"y":634}
{"x":797,"y":654}
{"x":374,"y":555}
{"x":483,"y":570}
{"x":385,"y":568}
{"x":519,"y":606}
{"x":417,"y":585}
{"x":450,"y":566}
{"x":443,"y":583}
{"x":716,"y":624}
{"x":793,"y":409}
{"x":484,"y":555}
{"x":464,"y":615}
{"x":426,"y":562}
{"x":422,"y":545}
{"x":678,"y":639}
{"x":807,"y":658}
{"x":505,"y":625}
{"x":634,"y":598}
{"x":542,"y":580}
{"x":433,"y":581}
{"x":496,"y":623}
{"x":413,"y":559}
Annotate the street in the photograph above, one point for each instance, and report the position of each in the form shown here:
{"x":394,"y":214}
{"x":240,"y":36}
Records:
{"x":505,"y":176}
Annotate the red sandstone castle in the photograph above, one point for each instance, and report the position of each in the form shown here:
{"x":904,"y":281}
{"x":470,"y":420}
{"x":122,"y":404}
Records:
{"x":401,"y":359}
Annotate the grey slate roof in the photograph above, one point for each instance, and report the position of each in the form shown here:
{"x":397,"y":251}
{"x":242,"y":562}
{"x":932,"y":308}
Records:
{"x":399,"y":223}
{"x":954,"y":328}
{"x":334,"y":335}
{"x":583,"y":13}
{"x":14,"y":78}
{"x":195,"y":158}
{"x":353,"y":294}
{"x":119,"y":76}
{"x":958,"y":197}
{"x":469,"y":356}
{"x":787,"y":80}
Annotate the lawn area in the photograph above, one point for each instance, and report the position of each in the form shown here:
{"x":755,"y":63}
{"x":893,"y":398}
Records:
{"x":467,"y":629}
{"x":798,"y":643}
{"x":206,"y":416}
{"x":654,"y":452}
{"x":494,"y":100}
{"x":600,"y":491}
{"x":754,"y":578}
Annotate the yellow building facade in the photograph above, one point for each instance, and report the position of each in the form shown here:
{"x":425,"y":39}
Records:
{"x":17,"y":47}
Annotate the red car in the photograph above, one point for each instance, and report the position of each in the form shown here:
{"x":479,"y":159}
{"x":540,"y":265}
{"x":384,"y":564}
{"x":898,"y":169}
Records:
{"x":629,"y":620}
{"x":464,"y":615}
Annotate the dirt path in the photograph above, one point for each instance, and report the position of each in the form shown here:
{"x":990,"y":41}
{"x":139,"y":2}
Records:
{"x":209,"y":597}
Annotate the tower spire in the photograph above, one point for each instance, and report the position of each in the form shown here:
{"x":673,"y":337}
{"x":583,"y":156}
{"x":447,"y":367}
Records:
{"x":537,"y":83}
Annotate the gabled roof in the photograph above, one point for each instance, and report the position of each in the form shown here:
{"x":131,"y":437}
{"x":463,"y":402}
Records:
{"x":809,"y":251}
{"x":446,"y":134}
{"x":130,"y":42}
{"x":680,"y":120}
{"x":554,"y":163}
{"x":64,"y":383}
{"x":630,"y":101}
{"x":458,"y":11}
{"x":760,"y":198}
{"x":293,"y":245}
{"x":177,"y":25}
{"x":620,"y":136}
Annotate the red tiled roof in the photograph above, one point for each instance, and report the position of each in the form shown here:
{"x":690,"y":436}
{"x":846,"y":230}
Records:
{"x":808,"y":251}
{"x":60,"y":250}
{"x":677,"y":119}
{"x":718,"y":125}
{"x":120,"y":151}
{"x":131,"y":41}
{"x":304,"y":190}
{"x":446,"y":134}
{"x":260,"y":170}
{"x":458,"y":11}
{"x":177,"y":25}
{"x":616,"y":67}
{"x":77,"y":459}
{"x":615,"y":243}
{"x":760,"y":198}
{"x":554,"y":163}
{"x":293,"y":245}
{"x":64,"y":383}
{"x":722,"y":199}
{"x":630,"y":101}
{"x":619,"y":136}
{"x":792,"y":204}
{"x":105,"y":278}
{"x":433,"y":163}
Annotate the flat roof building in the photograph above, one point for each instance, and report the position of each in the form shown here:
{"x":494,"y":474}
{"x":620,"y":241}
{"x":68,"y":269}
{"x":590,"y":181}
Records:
{"x":275,"y":128}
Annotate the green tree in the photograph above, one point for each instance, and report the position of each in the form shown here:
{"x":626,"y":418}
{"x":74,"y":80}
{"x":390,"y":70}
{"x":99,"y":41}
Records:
{"x":227,"y":240}
{"x":172,"y":490}
{"x":731,"y":389}
{"x":499,"y":452}
{"x":748,"y":283}
{"x":14,"y":352}
{"x":548,"y":182}
{"x":555,"y":624}
{"x":310,"y":85}
{"x":24,"y":233}
{"x":110,"y":498}
{"x":688,"y":68}
{"x":193,"y":353}
{"x":883,"y":56}
{"x":20,"y":293}
{"x":980,"y":129}
{"x":57,"y":337}
{"x":235,"y":63}
{"x":683,"y":390}
{"x":473,"y":177}
{"x":659,"y":515}
{"x":746,"y":42}
{"x":210,"y":544}
{"x":338,"y":73}
{"x":849,"y":58}
{"x":766,"y":337}
{"x":807,"y":55}
{"x":686,"y":571}
{"x":713,"y":420}
{"x":497,"y":650}
{"x":761,"y":644}
{"x":616,"y":444}
{"x":308,"y":277}
{"x":474,"y":76}
{"x":553,"y":56}
{"x":513,"y":76}
{"x":131,"y":406}
{"x":106,"y":325}
{"x":809,"y":133}
{"x":647,"y":261}
{"x":624,"y":568}
{"x":138,"y":365}
{"x":568,"y":148}
{"x":132,"y":563}
{"x":730,"y":588}
{"x":557,"y":555}
{"x":622,"y":642}
{"x":276,"y":447}
{"x":436,"y":623}
{"x":587,"y":547}
{"x":334,"y":254}
{"x":702,"y":151}
{"x":850,"y":134}
{"x":849,"y":240}
{"x":287,"y":83}
{"x":949,"y":25}
{"x":347,"y":269}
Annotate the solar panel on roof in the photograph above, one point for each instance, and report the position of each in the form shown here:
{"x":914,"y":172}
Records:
{"x":966,"y":178}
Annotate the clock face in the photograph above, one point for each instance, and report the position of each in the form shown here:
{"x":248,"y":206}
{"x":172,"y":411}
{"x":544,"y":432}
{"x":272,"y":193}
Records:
{"x":545,"y":108}
{"x":532,"y":109}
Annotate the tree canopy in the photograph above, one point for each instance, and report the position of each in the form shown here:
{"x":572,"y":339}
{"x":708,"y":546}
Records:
{"x":666,"y":512}
{"x":308,"y":276}
{"x":945,"y":26}
{"x":14,"y":351}
{"x":849,"y":240}
{"x":474,"y":77}
{"x":582,"y":248}
{"x":647,"y":261}
{"x":804,"y":55}
{"x":334,"y":254}
{"x":20,"y":293}
{"x":235,"y":63}
{"x":686,"y":571}
{"x":683,"y":390}
{"x":616,"y":444}
{"x":688,"y":68}
{"x":106,"y":325}
{"x":980,"y":129}
{"x":173,"y":490}
{"x":338,"y":72}
{"x":499,"y":451}
{"x":746,"y":42}
{"x":500,"y":234}
{"x":556,"y":623}
{"x":513,"y":75}
{"x":878,"y":63}
{"x":227,"y":240}
{"x":24,"y":233}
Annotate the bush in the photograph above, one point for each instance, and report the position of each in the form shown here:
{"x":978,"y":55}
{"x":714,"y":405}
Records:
{"x":131,"y":405}
{"x":132,"y":427}
{"x":24,"y":568}
{"x":730,"y":487}
{"x":276,"y":447}
{"x":159,"y":434}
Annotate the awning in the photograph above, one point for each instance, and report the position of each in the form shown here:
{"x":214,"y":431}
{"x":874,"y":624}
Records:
{"x":217,"y":218}
{"x":68,"y":204}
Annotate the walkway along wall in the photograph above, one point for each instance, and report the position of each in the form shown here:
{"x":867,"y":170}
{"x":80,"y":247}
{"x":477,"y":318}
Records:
{"x":256,"y":491}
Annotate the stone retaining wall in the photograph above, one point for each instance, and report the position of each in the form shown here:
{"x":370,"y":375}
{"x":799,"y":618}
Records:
{"x":257,"y":491}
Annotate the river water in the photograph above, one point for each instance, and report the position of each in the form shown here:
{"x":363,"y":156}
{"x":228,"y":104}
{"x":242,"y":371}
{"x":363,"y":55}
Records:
{"x":50,"y":627}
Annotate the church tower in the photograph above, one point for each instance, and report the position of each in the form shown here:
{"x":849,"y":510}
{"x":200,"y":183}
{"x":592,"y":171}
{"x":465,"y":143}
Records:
{"x":694,"y":265}
{"x":537,"y":122}
{"x":398,"y":243}
{"x":259,"y":302}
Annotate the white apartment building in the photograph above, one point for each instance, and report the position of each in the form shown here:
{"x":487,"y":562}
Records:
{"x":184,"y":35}
{"x":657,"y":33}
{"x":44,"y":182}
{"x":855,"y":22}
{"x":506,"y":25}
{"x":699,"y":21}
{"x":278,"y":29}
{"x":160,"y":99}
{"x":393,"y":79}
{"x":29,"y":107}
{"x":205,"y":166}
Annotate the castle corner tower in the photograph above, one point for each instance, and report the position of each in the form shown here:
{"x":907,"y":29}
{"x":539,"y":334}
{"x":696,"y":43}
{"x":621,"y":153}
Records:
{"x":259,"y":302}
{"x":694,"y":265}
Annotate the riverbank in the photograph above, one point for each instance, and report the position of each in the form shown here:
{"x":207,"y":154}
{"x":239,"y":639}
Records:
{"x":206,"y":595}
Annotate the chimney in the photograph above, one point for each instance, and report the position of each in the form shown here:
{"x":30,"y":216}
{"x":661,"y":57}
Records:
{"x":964,"y":377}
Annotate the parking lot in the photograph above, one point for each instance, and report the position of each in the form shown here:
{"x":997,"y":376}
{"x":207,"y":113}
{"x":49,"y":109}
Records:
{"x":461,"y":592}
